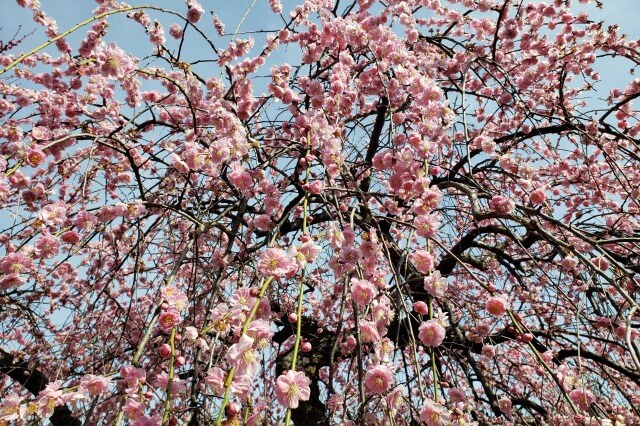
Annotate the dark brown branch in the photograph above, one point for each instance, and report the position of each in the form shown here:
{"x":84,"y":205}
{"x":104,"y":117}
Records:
{"x":34,"y":381}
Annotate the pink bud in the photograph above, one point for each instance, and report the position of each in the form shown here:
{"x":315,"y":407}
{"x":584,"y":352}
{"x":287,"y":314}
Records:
{"x":164,"y":351}
{"x":233,"y":409}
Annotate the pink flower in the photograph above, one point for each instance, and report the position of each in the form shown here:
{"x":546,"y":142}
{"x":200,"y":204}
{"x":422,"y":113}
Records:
{"x":114,"y":62}
{"x":132,"y":376}
{"x":85,"y":220}
{"x":275,"y":262}
{"x":170,"y":318}
{"x":291,"y":388}
{"x":601,"y":263}
{"x":11,"y":281}
{"x":241,"y":356}
{"x":94,"y":385}
{"x":421,"y":307}
{"x":47,"y":247}
{"x":582,"y":398}
{"x":215,"y":378}
{"x":431,"y":333}
{"x":489,"y":351}
{"x":435,"y":285}
{"x":49,"y":398}
{"x":34,"y":157}
{"x":362,"y":291}
{"x":504,"y":206}
{"x":41,"y":133}
{"x":11,"y":408}
{"x":496,"y":306}
{"x":53,"y":214}
{"x":434,"y":414}
{"x":423,"y":261}
{"x":505,"y":405}
{"x":15,"y":263}
{"x":426,"y":226}
{"x":70,"y":237}
{"x":568,"y":263}
{"x":195,"y":13}
{"x":133,"y":409}
{"x":378,"y":379}
{"x":537,"y":197}
{"x":190,"y":333}
{"x":174,"y":297}
{"x":176,"y":31}
{"x":368,"y":332}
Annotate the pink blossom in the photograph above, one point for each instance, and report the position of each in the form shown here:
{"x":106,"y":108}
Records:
{"x":537,"y":197}
{"x":260,"y":331}
{"x":568,"y":263}
{"x":431,"y":333}
{"x":34,"y":157}
{"x":435,"y":285}
{"x":456,"y":395}
{"x":85,"y":220}
{"x":70,"y":237}
{"x":276,"y":262}
{"x":368,"y":332}
{"x":504,"y":206}
{"x":420,"y":307}
{"x":169,"y":318}
{"x":94,"y":385}
{"x":423,"y":261}
{"x":291,"y":388}
{"x":306,"y":253}
{"x":174,"y":297}
{"x":114,"y":62}
{"x":148,"y":421}
{"x":133,"y":409}
{"x":241,"y":356}
{"x":53,"y":214}
{"x":582,"y":398}
{"x":11,"y":408}
{"x":426,"y":226}
{"x":11,"y":281}
{"x":132,"y":376}
{"x":434,"y":414}
{"x":601,"y":263}
{"x":505,"y":405}
{"x":47,"y":247}
{"x":15,"y":263}
{"x":362,"y":291}
{"x":195,"y":13}
{"x":276,"y":6}
{"x":176,"y":31}
{"x":50,"y":398}
{"x":190,"y":333}
{"x":496,"y":306}
{"x":489,"y":351}
{"x":378,"y":379}
{"x":41,"y":133}
{"x":162,"y":381}
{"x":215,"y":379}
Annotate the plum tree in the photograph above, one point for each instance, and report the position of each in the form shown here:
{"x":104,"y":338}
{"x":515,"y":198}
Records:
{"x":378,"y":212}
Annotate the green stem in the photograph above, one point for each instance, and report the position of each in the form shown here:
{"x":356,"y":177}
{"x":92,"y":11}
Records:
{"x":434,"y":370}
{"x":167,"y":403}
{"x":303,"y":280}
